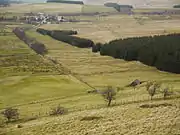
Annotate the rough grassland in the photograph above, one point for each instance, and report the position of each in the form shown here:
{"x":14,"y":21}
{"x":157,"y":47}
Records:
{"x":104,"y":29}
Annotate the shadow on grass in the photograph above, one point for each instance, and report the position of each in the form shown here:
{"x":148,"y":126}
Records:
{"x":89,"y":118}
{"x":155,"y":105}
{"x":144,"y":100}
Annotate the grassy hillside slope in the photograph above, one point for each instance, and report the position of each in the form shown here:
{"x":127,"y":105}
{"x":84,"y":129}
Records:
{"x":138,"y":3}
{"x":126,"y":117}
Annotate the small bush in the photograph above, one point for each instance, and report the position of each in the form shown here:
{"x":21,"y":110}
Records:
{"x":19,"y":126}
{"x":58,"y":111}
{"x":167,"y":91}
{"x":10,"y":114}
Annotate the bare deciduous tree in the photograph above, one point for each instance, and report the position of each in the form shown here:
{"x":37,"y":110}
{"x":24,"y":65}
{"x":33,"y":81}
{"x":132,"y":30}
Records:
{"x":152,"y":91}
{"x":109,"y":95}
{"x":152,"y":87}
{"x":167,"y":91}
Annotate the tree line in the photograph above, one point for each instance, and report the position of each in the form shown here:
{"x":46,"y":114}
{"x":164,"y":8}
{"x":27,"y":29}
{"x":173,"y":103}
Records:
{"x":162,"y":51}
{"x":176,"y":6}
{"x":38,"y":47}
{"x":66,"y":36}
{"x":66,"y":1}
{"x":117,"y":6}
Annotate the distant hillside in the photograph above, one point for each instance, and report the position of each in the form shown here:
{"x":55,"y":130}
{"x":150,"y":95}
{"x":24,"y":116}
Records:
{"x":138,"y":3}
{"x":34,"y":1}
{"x":66,"y":1}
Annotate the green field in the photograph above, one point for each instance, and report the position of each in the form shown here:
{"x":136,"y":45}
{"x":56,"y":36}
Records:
{"x":34,"y":84}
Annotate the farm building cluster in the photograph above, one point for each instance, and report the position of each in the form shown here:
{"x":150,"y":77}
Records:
{"x":42,"y":18}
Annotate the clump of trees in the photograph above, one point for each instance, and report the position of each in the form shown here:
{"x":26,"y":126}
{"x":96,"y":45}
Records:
{"x":156,"y":87}
{"x":117,"y":6}
{"x":163,"y":51}
{"x":48,"y":32}
{"x":32,"y":43}
{"x":66,"y":1}
{"x":65,"y":36}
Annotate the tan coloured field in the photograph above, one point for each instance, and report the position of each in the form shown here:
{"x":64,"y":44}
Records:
{"x":107,"y":28}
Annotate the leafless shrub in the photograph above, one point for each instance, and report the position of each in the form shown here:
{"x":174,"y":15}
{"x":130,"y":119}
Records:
{"x":167,"y":91}
{"x":109,"y":95}
{"x":11,"y":113}
{"x":58,"y":111}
